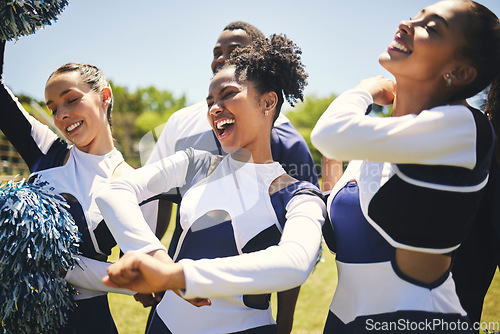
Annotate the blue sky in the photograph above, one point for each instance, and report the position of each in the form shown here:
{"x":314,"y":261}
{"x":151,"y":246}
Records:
{"x":169,"y":43}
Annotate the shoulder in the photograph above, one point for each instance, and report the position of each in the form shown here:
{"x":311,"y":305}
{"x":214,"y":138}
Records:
{"x":281,"y":182}
{"x":289,"y":186}
{"x":122,"y":169}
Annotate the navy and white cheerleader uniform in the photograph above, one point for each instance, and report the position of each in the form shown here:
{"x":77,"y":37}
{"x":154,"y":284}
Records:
{"x":189,"y":127}
{"x":414,"y":182}
{"x":78,"y":180}
{"x":226,"y":212}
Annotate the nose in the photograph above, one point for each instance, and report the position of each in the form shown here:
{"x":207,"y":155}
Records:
{"x":218,"y":62}
{"x":61,"y":114}
{"x":406,"y":27}
{"x":215,"y":109}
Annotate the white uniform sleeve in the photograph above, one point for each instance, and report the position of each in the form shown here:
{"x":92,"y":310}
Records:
{"x":119,"y":201}
{"x":441,"y":136}
{"x":88,"y":274}
{"x":276,"y":268}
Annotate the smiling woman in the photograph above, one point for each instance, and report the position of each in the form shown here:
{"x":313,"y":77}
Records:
{"x":80,"y":100}
{"x":246,"y":226}
{"x":403,"y":207}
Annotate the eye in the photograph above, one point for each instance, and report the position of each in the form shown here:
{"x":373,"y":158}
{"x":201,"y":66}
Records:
{"x":228,"y":95}
{"x":430,"y":28}
{"x":53,"y":111}
{"x":73,"y":100}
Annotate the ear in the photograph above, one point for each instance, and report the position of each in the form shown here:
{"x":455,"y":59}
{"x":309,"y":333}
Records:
{"x":106,"y":96}
{"x":463,"y":75}
{"x":270,"y":100}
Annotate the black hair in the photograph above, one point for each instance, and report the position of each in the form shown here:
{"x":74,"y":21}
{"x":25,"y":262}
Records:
{"x":483,"y":50}
{"x":272,"y":64}
{"x":90,"y":75}
{"x":252,"y":31}
{"x":482,"y":47}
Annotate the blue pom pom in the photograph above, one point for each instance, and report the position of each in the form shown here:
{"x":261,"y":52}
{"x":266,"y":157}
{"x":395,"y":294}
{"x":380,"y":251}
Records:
{"x":24,"y":17}
{"x":39,"y":239}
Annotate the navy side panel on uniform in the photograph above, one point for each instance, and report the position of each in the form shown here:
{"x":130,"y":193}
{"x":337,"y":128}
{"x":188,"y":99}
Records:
{"x":360,"y":242}
{"x":290,"y":150}
{"x":203,"y":235}
{"x":93,"y":316}
{"x":408,"y":223}
{"x":412,"y":224}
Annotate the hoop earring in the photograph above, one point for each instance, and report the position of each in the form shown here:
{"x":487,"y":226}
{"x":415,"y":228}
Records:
{"x":266,"y":112}
{"x":448,"y":80}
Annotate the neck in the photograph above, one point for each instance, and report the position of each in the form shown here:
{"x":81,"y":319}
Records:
{"x":100,"y":145}
{"x":255,"y":156}
{"x":413,"y":97}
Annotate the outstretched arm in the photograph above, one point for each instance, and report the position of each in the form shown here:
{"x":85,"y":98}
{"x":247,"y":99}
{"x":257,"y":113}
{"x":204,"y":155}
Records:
{"x":276,"y":268}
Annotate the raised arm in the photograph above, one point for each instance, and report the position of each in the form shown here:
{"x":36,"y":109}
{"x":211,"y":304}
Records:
{"x":345,"y":133}
{"x":31,"y":138}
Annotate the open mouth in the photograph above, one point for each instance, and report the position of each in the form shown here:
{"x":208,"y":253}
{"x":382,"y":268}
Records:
{"x":73,"y":126}
{"x":399,"y":47}
{"x":224,"y":127}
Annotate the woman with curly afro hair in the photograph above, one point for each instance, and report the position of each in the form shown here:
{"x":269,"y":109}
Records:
{"x":248,"y":228}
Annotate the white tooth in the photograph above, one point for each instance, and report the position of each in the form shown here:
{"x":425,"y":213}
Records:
{"x":72,"y":127}
{"x":399,"y":46}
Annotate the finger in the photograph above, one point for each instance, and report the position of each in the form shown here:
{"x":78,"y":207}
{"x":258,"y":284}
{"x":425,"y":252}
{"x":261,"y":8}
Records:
{"x":199,"y":302}
{"x":107,"y":281}
{"x":124,"y":277}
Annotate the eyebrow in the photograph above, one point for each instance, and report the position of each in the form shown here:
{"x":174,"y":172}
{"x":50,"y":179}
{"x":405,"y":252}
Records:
{"x":222,"y":91}
{"x":64,"y":92}
{"x":437,"y":17}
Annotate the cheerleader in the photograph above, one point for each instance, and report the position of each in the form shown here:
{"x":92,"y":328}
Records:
{"x":410,"y":193}
{"x":80,"y":100}
{"x":236,"y":209}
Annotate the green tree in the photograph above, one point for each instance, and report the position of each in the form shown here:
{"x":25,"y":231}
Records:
{"x":136,"y":113}
{"x":159,"y":105}
{"x":304,"y":117}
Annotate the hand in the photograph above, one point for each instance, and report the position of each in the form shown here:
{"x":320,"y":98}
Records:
{"x":144,"y":274}
{"x":381,"y":89}
{"x":147,"y":299}
{"x":198,"y":302}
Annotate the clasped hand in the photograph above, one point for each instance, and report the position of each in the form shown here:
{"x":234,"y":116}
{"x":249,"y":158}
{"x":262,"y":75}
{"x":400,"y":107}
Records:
{"x":146,"y":274}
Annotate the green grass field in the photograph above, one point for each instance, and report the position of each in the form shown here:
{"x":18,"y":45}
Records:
{"x":312,"y":306}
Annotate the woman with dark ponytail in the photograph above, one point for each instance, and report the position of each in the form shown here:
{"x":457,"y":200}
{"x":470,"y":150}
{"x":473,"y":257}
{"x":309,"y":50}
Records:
{"x":236,"y":210}
{"x":478,"y":257}
{"x":415,"y":181}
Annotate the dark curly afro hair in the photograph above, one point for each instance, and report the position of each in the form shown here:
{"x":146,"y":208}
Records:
{"x":272,"y":64}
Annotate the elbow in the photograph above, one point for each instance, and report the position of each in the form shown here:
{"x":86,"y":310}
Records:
{"x":303,"y":263}
{"x":326,"y":142}
{"x":299,"y":275}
